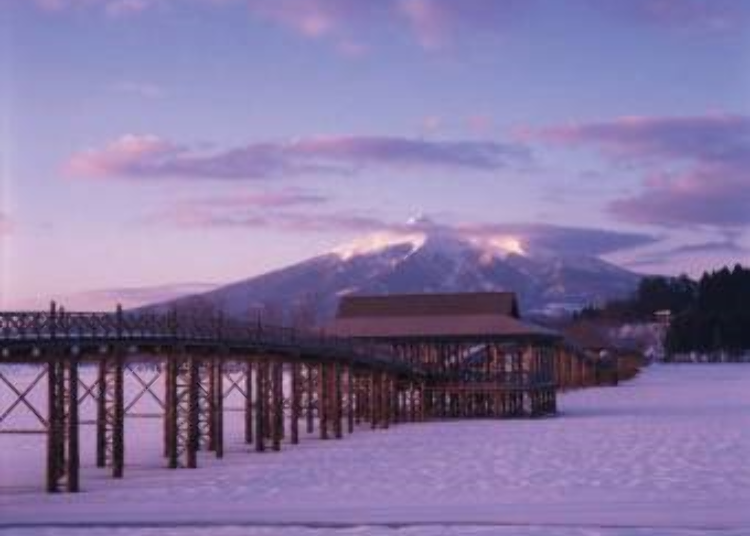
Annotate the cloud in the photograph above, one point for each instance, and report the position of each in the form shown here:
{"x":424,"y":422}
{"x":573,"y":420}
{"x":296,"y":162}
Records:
{"x":436,"y":23}
{"x":696,"y":168}
{"x":239,"y":210}
{"x":276,"y":220}
{"x":693,"y":15}
{"x":703,"y":253}
{"x":150,"y":157}
{"x":432,"y":24}
{"x":541,"y":238}
{"x":706,"y":138}
{"x":719,"y":246}
{"x":562,"y":239}
{"x":698,"y":197}
{"x":313,"y":18}
{"x":350,"y":25}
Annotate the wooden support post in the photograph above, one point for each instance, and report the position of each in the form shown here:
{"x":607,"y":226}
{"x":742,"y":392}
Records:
{"x":63,"y":455}
{"x":385,"y":399}
{"x":277,"y":397}
{"x":167,"y":401}
{"x":260,"y":405}
{"x":373,"y":402}
{"x":337,"y":400}
{"x":310,"y":398}
{"x":208,"y":403}
{"x":118,"y":415}
{"x":73,"y":460}
{"x":218,"y":406}
{"x":101,"y":414}
{"x":172,"y":402}
{"x":193,"y":412}
{"x":350,"y":398}
{"x":324,"y":400}
{"x":295,"y":403}
{"x":54,"y":425}
{"x":249,"y":401}
{"x":359,"y":397}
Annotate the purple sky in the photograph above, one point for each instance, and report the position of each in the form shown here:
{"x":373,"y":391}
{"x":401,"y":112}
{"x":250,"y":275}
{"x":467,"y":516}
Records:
{"x":146,"y":143}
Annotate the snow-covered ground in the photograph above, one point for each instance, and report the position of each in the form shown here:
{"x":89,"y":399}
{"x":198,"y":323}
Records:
{"x":667,"y":454}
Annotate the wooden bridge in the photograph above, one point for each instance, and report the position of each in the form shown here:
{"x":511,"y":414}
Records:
{"x":286,"y":378}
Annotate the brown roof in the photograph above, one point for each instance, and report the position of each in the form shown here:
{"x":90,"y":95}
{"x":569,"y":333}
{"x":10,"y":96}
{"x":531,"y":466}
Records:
{"x":411,"y":305}
{"x":479,"y":314}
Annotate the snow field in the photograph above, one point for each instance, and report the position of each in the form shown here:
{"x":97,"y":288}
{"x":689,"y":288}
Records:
{"x":666,"y":453}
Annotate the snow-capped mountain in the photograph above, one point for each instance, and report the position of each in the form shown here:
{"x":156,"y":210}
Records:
{"x":428,"y":259}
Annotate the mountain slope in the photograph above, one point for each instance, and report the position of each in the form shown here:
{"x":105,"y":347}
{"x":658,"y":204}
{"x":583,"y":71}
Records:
{"x":427,"y":261}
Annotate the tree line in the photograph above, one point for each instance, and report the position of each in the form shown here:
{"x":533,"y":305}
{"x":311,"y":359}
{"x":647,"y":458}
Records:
{"x":708,"y":315}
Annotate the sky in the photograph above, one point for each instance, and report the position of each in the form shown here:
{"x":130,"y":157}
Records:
{"x":149,"y":145}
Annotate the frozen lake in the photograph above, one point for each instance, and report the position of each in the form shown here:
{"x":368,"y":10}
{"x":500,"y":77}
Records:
{"x":666,"y":453}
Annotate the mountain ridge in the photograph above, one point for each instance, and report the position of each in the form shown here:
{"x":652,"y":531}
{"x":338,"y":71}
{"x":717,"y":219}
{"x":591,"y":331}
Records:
{"x":423,"y":260}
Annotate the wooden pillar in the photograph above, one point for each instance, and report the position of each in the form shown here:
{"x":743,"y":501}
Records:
{"x":101,"y":415}
{"x":385,"y":399}
{"x":73,"y":458}
{"x":118,"y":411}
{"x":249,"y":401}
{"x":165,"y":417}
{"x":193,"y":414}
{"x":260,"y":404}
{"x":323,"y":400}
{"x":295,"y":403}
{"x":171,"y":411}
{"x":337,"y":410}
{"x":310,"y":398}
{"x":359,"y":397}
{"x":374,"y":403}
{"x":54,"y":424}
{"x":350,"y":399}
{"x":218,"y":402}
{"x":277,"y":397}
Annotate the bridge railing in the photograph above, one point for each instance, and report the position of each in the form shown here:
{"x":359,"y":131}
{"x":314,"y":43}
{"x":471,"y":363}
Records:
{"x":60,"y":324}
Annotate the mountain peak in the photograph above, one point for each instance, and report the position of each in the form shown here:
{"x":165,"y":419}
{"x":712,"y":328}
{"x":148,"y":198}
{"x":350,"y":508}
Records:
{"x":424,"y":257}
{"x":421,"y":233}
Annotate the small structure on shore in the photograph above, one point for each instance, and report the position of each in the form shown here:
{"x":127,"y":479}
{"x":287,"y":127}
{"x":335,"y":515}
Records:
{"x":610,"y":361}
{"x":480,"y":359}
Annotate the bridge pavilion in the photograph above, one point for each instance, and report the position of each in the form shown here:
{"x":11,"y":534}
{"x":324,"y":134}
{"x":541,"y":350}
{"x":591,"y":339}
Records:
{"x":479,"y":358}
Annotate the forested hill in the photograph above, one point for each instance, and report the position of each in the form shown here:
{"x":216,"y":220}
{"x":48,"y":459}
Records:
{"x":712,"y":314}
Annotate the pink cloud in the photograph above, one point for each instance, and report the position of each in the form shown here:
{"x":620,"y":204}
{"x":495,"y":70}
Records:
{"x":429,"y":20}
{"x":700,"y":197}
{"x":706,"y":137}
{"x":248,"y":209}
{"x":128,"y":155}
{"x":262,"y":218}
{"x":150,"y":157}
{"x":709,"y":159}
